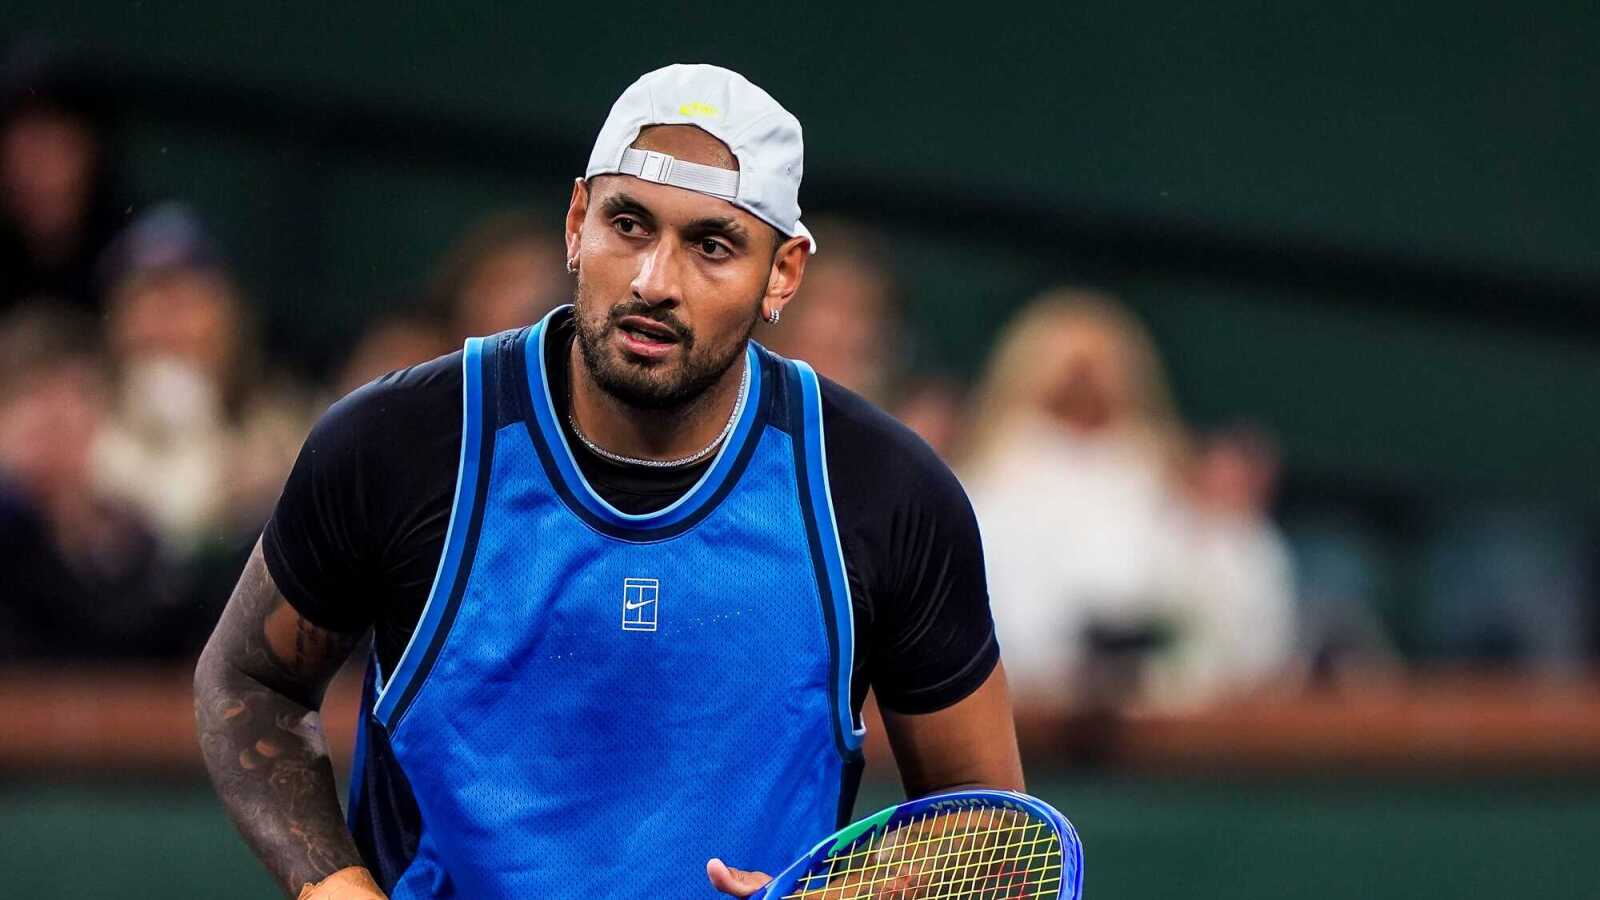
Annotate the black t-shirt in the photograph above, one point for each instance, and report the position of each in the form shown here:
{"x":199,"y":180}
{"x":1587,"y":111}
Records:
{"x":357,"y":535}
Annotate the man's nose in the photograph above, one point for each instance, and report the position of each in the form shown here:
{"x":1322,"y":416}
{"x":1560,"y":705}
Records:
{"x":658,"y":279}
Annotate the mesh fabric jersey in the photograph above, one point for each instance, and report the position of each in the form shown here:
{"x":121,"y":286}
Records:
{"x":594,"y":700}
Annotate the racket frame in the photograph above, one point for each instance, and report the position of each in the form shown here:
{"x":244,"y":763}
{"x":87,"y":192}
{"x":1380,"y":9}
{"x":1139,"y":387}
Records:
{"x":864,"y":829}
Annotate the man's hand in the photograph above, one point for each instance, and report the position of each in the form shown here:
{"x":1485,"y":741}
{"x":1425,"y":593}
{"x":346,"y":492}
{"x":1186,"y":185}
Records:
{"x":735,"y":882}
{"x":354,"y":883}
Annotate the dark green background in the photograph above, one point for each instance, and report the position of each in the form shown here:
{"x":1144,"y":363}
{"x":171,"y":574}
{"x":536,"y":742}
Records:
{"x":1372,"y":227}
{"x":1451,"y":129}
{"x":1293,"y":195}
{"x":1252,"y":840}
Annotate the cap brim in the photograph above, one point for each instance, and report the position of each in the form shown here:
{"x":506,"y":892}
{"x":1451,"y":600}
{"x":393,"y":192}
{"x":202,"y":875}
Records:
{"x":800,"y":230}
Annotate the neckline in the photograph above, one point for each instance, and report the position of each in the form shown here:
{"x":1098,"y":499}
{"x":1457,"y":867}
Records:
{"x":574,"y":486}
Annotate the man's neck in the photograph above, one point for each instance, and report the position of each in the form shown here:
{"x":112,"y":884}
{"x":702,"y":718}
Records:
{"x":657,"y":434}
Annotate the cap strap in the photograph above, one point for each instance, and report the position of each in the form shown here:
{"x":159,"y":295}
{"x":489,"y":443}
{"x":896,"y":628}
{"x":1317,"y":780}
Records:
{"x":664,"y":169}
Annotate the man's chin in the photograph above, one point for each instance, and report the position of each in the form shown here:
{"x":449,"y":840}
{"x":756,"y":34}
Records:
{"x":645,"y":384}
{"x":648,"y":381}
{"x":645,"y":396}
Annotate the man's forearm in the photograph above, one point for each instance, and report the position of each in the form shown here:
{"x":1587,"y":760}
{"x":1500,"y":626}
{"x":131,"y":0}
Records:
{"x":257,"y":690}
{"x":269,"y":762}
{"x":971,"y":744}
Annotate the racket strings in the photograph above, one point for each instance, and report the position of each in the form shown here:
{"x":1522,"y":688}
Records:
{"x":998,"y":867}
{"x":858,"y":866}
{"x":1003,"y":869}
{"x":893,"y":837}
{"x":965,"y":879}
{"x":957,"y":873}
{"x":967,"y":854}
{"x":1002,"y":873}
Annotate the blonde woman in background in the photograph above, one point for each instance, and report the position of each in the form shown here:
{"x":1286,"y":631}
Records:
{"x":1109,"y":579}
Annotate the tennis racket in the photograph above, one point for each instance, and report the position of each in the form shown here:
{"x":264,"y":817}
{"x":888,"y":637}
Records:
{"x":964,"y":845}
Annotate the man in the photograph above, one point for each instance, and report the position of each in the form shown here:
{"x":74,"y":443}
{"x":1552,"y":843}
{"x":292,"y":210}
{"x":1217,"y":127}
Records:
{"x":625,"y":617}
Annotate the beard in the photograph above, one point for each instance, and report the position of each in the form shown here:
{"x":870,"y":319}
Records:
{"x":665,"y":385}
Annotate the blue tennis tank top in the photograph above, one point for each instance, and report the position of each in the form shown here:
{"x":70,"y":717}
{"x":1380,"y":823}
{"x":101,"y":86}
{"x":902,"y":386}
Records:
{"x":595,"y":703}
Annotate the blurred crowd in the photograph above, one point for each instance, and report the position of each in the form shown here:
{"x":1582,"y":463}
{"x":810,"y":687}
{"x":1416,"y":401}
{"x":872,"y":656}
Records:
{"x":1134,"y":560}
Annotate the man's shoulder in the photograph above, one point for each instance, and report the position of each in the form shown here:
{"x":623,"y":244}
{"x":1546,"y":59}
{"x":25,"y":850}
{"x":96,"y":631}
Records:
{"x":863,"y":437}
{"x":411,"y":396}
{"x":376,"y":470}
{"x":390,"y":413}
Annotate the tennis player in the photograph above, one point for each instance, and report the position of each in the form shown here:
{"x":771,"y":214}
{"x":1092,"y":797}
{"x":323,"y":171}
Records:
{"x":629,"y":575}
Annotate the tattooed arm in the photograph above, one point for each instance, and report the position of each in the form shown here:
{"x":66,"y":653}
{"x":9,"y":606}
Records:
{"x":257,"y":692}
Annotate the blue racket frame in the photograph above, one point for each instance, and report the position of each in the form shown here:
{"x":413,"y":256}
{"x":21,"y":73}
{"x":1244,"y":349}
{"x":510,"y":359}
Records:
{"x":864,"y":829}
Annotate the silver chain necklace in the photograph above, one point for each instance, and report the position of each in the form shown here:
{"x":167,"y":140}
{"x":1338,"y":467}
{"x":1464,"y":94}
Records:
{"x":603,"y":453}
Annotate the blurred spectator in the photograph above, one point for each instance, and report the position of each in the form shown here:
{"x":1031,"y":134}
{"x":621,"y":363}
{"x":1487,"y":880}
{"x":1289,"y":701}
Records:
{"x":935,"y":409}
{"x":846,"y":324}
{"x":843,"y":320}
{"x":58,"y":210}
{"x":1118,"y":573}
{"x":201,"y":435}
{"x":506,"y":272}
{"x":1237,"y":576}
{"x":1342,"y":575}
{"x":392,"y":342}
{"x":1508,"y":585}
{"x":83,"y":577}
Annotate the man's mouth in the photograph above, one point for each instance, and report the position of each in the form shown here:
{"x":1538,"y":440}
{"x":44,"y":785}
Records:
{"x":646,"y":337}
{"x":648,"y":329}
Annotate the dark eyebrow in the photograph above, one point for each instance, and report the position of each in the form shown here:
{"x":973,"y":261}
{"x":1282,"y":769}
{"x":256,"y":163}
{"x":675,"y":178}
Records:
{"x":620,"y":203}
{"x":725,"y":227}
{"x":719,"y":226}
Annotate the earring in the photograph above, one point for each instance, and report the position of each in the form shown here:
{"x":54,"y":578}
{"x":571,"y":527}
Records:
{"x":572,"y":265}
{"x":772,"y":317}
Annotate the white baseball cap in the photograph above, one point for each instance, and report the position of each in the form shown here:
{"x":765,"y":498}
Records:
{"x":763,"y":136}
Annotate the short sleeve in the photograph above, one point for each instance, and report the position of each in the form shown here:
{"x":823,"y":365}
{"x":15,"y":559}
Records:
{"x":913,"y":547}
{"x":364,"y":509}
{"x":938,"y":636}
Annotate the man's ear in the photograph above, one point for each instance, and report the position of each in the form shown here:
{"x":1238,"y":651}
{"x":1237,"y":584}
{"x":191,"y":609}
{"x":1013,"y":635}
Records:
{"x":577,"y":211}
{"x":788,"y":268}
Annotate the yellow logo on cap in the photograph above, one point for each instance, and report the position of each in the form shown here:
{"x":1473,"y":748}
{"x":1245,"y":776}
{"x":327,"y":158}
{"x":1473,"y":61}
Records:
{"x":699,"y":109}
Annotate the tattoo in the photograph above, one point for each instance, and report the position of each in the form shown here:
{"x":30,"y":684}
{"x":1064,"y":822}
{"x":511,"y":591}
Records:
{"x":258,"y":687}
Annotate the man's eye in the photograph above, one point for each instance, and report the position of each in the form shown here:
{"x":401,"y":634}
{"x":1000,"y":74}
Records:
{"x":626,"y":225}
{"x":713,"y":248}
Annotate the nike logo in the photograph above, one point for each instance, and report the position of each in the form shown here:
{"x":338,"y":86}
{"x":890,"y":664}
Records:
{"x":639,"y":606}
